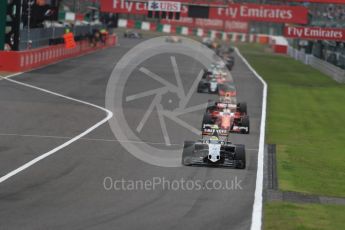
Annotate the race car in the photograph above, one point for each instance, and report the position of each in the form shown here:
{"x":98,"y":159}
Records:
{"x":208,"y":86}
{"x":132,"y":34}
{"x":212,"y":80}
{"x":229,"y":62}
{"x":224,"y":51}
{"x":228,"y":115}
{"x":173,"y":39}
{"x":210,"y":43}
{"x":214,"y":152}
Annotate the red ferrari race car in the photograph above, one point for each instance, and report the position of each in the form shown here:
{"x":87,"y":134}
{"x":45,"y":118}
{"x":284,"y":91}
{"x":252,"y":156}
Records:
{"x":227,"y":115}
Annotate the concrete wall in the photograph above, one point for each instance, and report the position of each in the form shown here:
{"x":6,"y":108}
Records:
{"x":329,"y":69}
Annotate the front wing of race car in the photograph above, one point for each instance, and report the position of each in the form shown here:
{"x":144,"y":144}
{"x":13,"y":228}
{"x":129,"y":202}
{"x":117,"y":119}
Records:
{"x":239,"y":129}
{"x":241,"y":125}
{"x":197,"y":154}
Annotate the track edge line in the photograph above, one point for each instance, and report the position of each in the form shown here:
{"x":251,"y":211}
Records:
{"x":65,"y":144}
{"x":256,"y":223}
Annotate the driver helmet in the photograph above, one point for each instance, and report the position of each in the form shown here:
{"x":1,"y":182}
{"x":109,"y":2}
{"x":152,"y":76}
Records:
{"x":227,"y":111}
{"x":214,"y":138}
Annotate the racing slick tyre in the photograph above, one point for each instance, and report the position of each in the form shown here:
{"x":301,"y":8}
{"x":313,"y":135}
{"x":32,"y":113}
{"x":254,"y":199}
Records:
{"x":211,"y":106}
{"x":187,"y":152}
{"x":240,"y":157}
{"x":193,"y":154}
{"x":245,"y":123}
{"x":203,"y":87}
{"x":242,"y":107}
{"x":204,"y":75}
{"x":207,"y":120}
{"x":199,"y":88}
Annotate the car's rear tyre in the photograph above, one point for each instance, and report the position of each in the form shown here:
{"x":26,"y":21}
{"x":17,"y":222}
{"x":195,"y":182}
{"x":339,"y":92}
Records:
{"x":187,"y":152}
{"x":202,"y":86}
{"x":240,"y":157}
{"x":199,"y":88}
{"x":245,"y":123}
{"x":242,"y":107}
{"x":207,"y":120}
{"x":211,"y":106}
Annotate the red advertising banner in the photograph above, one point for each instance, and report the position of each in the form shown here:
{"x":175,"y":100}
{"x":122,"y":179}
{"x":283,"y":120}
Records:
{"x":183,"y":21}
{"x":315,"y":33}
{"x":123,"y":6}
{"x":238,"y":12}
{"x":320,"y":1}
{"x":140,"y":7}
{"x":210,"y":24}
{"x":236,"y":26}
{"x":131,"y":7}
{"x":265,"y":13}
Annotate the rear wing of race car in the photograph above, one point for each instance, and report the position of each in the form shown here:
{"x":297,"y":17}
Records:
{"x":209,"y":130}
{"x":226,"y":105}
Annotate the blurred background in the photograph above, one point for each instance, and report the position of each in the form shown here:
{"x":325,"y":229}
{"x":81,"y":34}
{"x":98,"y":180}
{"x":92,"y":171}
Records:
{"x":37,"y":23}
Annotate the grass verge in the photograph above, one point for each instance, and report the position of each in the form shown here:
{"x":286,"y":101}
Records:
{"x":306,"y":119}
{"x":287,"y":216}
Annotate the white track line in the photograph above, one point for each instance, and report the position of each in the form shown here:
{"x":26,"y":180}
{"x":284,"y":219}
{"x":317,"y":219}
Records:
{"x":257,"y":206}
{"x":98,"y":139}
{"x":85,"y":139}
{"x":47,"y":154}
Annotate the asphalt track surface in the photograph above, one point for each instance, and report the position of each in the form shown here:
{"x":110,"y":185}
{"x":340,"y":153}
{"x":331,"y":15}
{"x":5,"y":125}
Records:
{"x":66,"y":190}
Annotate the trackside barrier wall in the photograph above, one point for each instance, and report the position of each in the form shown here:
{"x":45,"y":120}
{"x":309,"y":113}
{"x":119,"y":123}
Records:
{"x":278,"y":43}
{"x":18,"y":61}
{"x":329,"y":69}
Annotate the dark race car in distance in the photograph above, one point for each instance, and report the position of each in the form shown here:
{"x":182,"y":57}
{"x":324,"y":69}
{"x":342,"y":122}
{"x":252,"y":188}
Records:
{"x":225,"y":53}
{"x":229,"y":62}
{"x":173,"y":39}
{"x":132,"y":34}
{"x":212,"y":80}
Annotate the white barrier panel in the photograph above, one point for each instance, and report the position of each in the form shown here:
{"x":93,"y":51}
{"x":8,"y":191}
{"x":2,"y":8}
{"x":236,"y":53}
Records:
{"x":122,"y":23}
{"x":145,"y":26}
{"x":200,"y":32}
{"x":185,"y":31}
{"x":166,"y":28}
